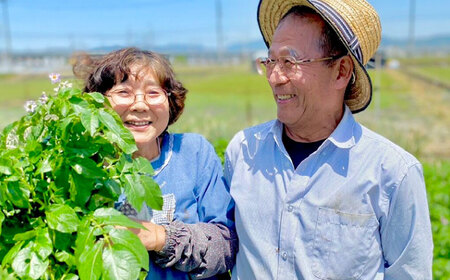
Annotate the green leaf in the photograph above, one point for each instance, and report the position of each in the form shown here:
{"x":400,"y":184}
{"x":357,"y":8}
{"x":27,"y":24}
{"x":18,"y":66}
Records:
{"x":20,"y":263}
{"x":110,"y":216}
{"x":142,"y":165}
{"x":109,"y":121}
{"x":125,"y":163}
{"x":86,"y":167}
{"x":44,"y":165}
{"x":85,"y":237}
{"x":82,"y":149}
{"x":28,"y":263}
{"x":37,"y":266}
{"x":71,"y":276}
{"x":25,"y":235}
{"x":12,"y":253}
{"x":63,"y":256}
{"x":5,"y":166}
{"x":18,"y":194}
{"x":62,"y":241}
{"x":43,"y":244}
{"x":98,"y":97}
{"x":2,"y":218}
{"x":126,"y":146}
{"x":90,"y":262}
{"x":4,"y":275}
{"x":111,"y":189}
{"x":89,"y":119}
{"x":153,"y":196}
{"x":119,"y":263}
{"x":80,"y":188}
{"x":134,"y":190}
{"x":79,"y":104}
{"x":130,"y":241}
{"x":62,"y":218}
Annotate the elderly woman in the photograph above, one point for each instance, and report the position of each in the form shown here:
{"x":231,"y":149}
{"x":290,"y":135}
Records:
{"x":193,"y":236}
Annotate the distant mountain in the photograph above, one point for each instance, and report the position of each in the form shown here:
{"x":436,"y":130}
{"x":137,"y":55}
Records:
{"x":441,"y":42}
{"x":251,"y":46}
{"x":168,"y":49}
{"x":433,"y":42}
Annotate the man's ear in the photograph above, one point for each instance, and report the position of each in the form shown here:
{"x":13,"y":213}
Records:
{"x":344,"y":70}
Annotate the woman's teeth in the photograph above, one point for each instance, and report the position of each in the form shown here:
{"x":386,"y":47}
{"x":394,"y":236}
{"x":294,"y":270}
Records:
{"x":138,"y":123}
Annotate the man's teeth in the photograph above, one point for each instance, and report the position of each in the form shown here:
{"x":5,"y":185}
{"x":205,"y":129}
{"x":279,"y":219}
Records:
{"x":284,"y":96}
{"x":138,"y":123}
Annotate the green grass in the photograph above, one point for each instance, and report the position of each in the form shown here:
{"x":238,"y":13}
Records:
{"x":388,"y":91}
{"x":234,"y":94}
{"x":15,"y":89}
{"x":425,"y":60}
{"x":441,"y":74}
{"x":437,"y":177}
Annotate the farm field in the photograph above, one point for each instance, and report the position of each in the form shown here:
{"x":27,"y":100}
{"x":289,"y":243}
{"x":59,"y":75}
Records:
{"x":225,"y":99}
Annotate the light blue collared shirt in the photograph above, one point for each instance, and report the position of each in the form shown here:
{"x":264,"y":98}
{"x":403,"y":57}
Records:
{"x":354,"y":209}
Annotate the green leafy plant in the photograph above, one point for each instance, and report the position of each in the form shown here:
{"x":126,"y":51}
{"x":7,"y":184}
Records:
{"x":437,"y":177}
{"x":62,"y":168}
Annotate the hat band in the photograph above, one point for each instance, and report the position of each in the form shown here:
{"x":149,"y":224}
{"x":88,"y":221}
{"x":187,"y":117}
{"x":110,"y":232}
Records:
{"x":341,"y":24}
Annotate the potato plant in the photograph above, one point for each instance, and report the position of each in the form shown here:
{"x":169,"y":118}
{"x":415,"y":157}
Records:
{"x":62,"y":167}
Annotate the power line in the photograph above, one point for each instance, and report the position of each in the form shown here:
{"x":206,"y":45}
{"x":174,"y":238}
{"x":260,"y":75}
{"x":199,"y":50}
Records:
{"x":412,"y":18}
{"x":6,"y":31}
{"x":219,"y":29}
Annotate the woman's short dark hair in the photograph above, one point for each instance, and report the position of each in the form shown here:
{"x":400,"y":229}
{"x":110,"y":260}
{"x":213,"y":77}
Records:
{"x":101,"y":73}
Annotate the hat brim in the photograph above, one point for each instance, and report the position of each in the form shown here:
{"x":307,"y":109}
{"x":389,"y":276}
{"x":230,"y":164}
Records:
{"x":269,"y":15}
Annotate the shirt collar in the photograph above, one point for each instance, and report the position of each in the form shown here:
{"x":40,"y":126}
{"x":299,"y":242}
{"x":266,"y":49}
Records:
{"x":344,"y":136}
{"x":160,"y":162}
{"x":275,"y":129}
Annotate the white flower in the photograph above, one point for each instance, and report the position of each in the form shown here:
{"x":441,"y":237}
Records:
{"x":27,"y":133}
{"x":62,"y":86}
{"x":44,"y":98}
{"x":30,"y":106}
{"x":65,"y":85}
{"x":51,"y":117}
{"x":12,"y":140}
{"x":55,"y":77}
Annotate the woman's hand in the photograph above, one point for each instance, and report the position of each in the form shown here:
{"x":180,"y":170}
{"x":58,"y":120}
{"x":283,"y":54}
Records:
{"x":153,"y":238}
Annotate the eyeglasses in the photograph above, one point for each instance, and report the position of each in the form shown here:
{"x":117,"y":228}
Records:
{"x":154,"y":96}
{"x":287,"y":64}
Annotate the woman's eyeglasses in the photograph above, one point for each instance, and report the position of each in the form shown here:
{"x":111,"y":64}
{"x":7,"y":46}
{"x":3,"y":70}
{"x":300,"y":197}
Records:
{"x":154,"y":96}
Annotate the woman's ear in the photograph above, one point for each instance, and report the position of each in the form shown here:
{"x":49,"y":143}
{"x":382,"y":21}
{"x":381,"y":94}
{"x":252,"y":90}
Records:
{"x":344,"y":72}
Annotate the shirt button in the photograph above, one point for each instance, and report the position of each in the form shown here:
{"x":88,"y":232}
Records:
{"x":290,"y":208}
{"x":284,"y":256}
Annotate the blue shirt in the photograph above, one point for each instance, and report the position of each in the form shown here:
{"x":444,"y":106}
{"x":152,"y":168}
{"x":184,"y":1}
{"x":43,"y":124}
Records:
{"x":189,"y":174}
{"x":356,"y":208}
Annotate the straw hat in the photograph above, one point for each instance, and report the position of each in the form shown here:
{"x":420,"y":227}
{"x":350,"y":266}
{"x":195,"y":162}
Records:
{"x":357,"y":25}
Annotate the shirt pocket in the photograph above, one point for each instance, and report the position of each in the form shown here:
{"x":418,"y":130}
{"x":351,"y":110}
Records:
{"x":341,"y":244}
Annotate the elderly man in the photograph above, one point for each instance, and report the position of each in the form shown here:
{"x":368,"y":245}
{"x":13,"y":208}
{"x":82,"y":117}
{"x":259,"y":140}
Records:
{"x":319,"y":196}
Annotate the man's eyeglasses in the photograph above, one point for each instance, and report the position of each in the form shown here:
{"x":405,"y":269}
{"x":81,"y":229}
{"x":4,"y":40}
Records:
{"x":287,"y":64}
{"x":154,"y":96}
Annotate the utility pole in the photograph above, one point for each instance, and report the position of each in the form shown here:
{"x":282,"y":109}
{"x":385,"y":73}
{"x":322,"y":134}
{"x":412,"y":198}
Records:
{"x":412,"y":19}
{"x":6,"y":32}
{"x":219,"y":31}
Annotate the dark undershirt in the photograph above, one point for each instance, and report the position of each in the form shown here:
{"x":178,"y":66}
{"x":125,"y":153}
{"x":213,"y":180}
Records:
{"x":298,"y":151}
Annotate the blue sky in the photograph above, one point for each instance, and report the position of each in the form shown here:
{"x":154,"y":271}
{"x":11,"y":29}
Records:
{"x":82,"y":24}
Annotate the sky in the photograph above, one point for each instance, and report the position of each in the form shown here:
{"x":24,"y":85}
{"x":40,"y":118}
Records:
{"x":82,"y":24}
